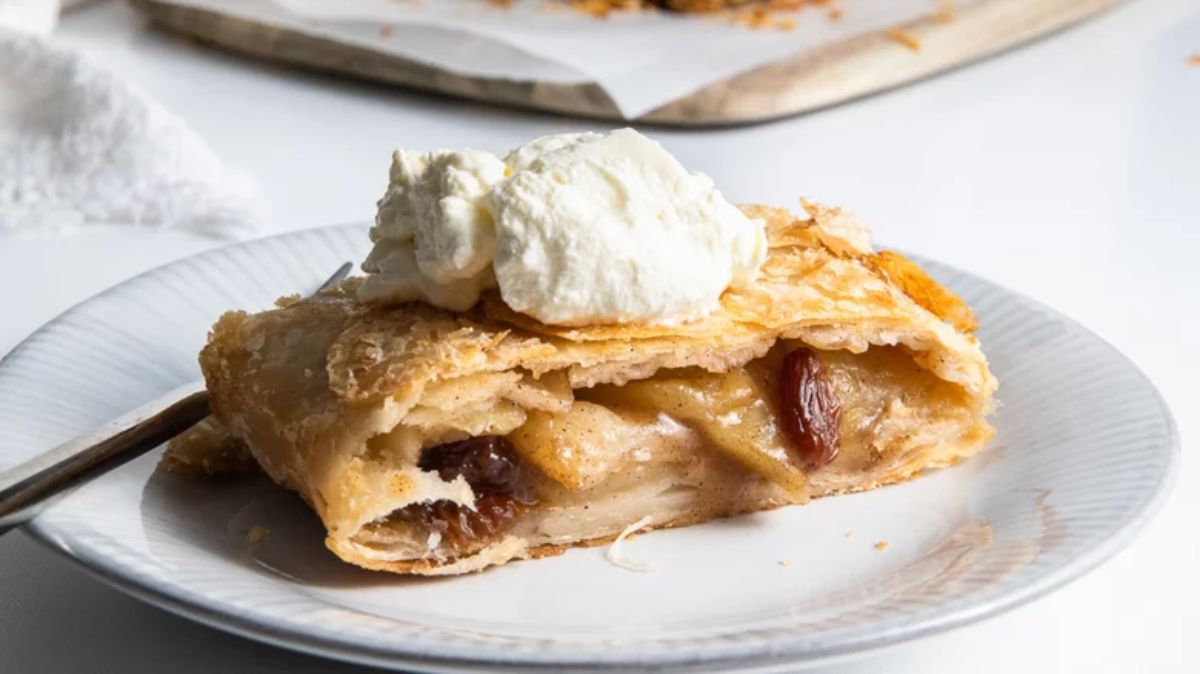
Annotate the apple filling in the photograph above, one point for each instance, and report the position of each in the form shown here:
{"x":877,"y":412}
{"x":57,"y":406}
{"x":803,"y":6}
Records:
{"x":792,"y":424}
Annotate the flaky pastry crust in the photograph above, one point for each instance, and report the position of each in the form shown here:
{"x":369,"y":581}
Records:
{"x":337,"y":399}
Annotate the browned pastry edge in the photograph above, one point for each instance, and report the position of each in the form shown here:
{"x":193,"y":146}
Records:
{"x":922,"y":289}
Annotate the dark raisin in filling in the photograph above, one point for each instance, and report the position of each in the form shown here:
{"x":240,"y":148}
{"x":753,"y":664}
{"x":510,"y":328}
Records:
{"x":809,"y":408}
{"x":488,"y":463}
{"x":502,"y":490}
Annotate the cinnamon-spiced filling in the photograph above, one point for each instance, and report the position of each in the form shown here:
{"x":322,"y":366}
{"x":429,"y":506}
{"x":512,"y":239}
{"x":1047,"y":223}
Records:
{"x":789,"y":417}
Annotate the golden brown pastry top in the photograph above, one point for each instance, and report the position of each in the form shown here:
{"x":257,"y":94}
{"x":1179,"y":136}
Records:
{"x":813,"y":287}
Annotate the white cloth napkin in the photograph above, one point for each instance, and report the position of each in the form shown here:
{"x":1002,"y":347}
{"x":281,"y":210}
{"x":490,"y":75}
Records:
{"x":78,"y":146}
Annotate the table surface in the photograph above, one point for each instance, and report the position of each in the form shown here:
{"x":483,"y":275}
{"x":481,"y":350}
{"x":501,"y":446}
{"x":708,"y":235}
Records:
{"x":1068,"y":169}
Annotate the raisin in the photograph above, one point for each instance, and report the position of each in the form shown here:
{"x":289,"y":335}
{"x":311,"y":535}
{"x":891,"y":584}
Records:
{"x":494,"y":514}
{"x":809,"y":408}
{"x":466,"y":530}
{"x":488,"y":463}
{"x":502,"y":492}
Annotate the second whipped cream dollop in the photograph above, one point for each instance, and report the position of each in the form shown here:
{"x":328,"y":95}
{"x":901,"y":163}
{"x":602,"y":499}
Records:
{"x":573,"y":229}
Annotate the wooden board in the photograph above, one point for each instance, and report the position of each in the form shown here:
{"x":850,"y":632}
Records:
{"x":807,"y":81}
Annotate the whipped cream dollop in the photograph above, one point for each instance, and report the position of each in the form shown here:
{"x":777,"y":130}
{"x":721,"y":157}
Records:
{"x":573,"y":229}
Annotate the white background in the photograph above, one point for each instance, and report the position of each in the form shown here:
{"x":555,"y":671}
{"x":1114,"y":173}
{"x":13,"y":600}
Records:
{"x":1068,"y":170}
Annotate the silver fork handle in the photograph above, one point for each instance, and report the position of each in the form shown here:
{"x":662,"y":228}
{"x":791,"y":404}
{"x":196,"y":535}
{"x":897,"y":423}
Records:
{"x":25,"y":488}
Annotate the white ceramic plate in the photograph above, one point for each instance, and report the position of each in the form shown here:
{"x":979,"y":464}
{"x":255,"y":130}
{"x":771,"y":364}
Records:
{"x":1085,"y":450}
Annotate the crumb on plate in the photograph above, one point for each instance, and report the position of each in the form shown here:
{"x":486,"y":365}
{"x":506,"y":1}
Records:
{"x":616,"y":555}
{"x":258,"y":534}
{"x":901,"y":36}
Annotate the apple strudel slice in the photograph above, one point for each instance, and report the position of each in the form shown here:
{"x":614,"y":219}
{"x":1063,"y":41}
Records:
{"x":438,"y":442}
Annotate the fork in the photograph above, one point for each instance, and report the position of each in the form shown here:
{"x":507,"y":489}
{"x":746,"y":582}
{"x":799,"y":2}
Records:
{"x":26,"y":488}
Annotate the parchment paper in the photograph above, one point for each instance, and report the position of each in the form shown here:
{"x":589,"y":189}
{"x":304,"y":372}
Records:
{"x":642,"y":59}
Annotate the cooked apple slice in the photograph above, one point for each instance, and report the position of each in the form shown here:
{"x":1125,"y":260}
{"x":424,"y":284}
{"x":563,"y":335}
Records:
{"x":733,"y":410}
{"x":579,"y":448}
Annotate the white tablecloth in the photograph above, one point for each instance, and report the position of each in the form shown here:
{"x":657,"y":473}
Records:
{"x":1068,"y":170}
